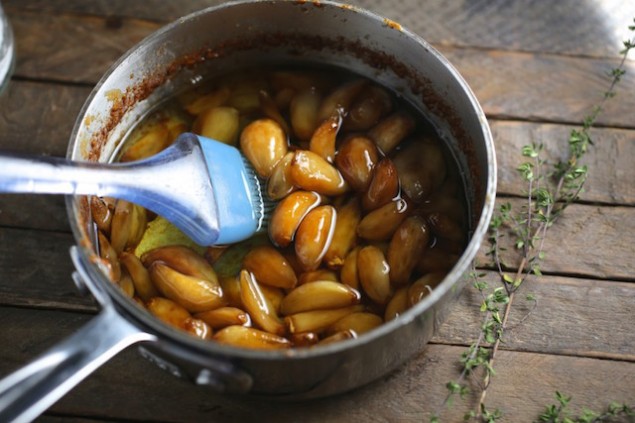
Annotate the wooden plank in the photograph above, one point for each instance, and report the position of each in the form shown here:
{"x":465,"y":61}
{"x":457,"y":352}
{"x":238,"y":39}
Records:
{"x":567,"y":249}
{"x":48,"y":418}
{"x":540,"y":87}
{"x":30,"y":211}
{"x":38,"y":118}
{"x":35,"y":270}
{"x":587,"y":241}
{"x":606,"y":184}
{"x":569,"y":317}
{"x":152,"y":10}
{"x":57,"y":105}
{"x":66,"y":48}
{"x":129,"y":387}
{"x":569,"y":27}
{"x":610,"y":177}
{"x":537,"y":87}
{"x":573,"y":303}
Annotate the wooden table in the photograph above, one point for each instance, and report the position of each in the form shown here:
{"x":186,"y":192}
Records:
{"x":536,"y":67}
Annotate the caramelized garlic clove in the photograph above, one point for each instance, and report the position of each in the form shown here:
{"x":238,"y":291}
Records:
{"x":109,"y":258}
{"x":198,"y":328}
{"x":349,"y":274}
{"x":445,"y":227}
{"x":314,"y":236}
{"x":126,"y":285}
{"x":360,"y":322}
{"x":406,"y":247}
{"x":422,"y":287}
{"x":383,"y":187}
{"x":380,"y":224}
{"x":270,"y":267}
{"x":392,"y":130}
{"x":193,"y":293}
{"x":140,"y":276}
{"x":345,"y":233}
{"x":225,"y":316}
{"x":270,"y":109}
{"x":102,"y":210}
{"x":398,"y":304}
{"x":338,"y":337}
{"x":368,"y":109}
{"x":280,"y":184}
{"x":319,"y":295}
{"x":168,"y":311}
{"x":154,"y":141}
{"x":421,"y":167}
{"x":264,"y":143}
{"x":246,"y":337}
{"x":317,"y":320}
{"x":304,"y":113}
{"x":218,"y":123}
{"x":216,"y":98}
{"x":288,"y":214}
{"x":127,"y":227}
{"x":259,"y":308}
{"x":182,"y":259}
{"x":356,"y":159}
{"x":323,"y":139}
{"x":311,"y":172}
{"x":342,"y":97}
{"x":373,"y":270}
{"x":231,"y":291}
{"x":317,"y":275}
{"x":304,"y":339}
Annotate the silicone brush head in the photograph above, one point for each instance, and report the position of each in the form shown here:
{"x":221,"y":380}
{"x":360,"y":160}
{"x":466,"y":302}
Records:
{"x":242,"y":206}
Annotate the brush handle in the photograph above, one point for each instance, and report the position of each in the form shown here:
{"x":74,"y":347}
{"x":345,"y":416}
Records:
{"x":174,"y":184}
{"x":56,"y":175}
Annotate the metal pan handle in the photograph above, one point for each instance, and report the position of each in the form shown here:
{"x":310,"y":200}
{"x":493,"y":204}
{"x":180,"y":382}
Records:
{"x":29,"y":391}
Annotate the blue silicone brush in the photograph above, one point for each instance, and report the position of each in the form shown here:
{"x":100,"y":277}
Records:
{"x":204,"y":187}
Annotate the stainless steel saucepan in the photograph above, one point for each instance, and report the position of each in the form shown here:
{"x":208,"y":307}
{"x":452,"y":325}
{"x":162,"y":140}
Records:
{"x":247,"y":35}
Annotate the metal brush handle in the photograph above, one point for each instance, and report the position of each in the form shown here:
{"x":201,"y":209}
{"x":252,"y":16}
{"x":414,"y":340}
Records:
{"x":174,"y":183}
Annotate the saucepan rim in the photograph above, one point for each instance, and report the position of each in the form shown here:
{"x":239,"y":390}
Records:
{"x":147,"y":323}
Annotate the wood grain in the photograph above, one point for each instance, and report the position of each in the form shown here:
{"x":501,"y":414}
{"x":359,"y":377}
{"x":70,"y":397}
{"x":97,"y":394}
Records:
{"x":527,"y":86}
{"x":66,"y":48}
{"x":611,"y":176}
{"x":38,"y":118}
{"x":129,"y":387}
{"x":35,"y":270}
{"x":498,"y":24}
{"x":31,"y":211}
{"x":56,"y":107}
{"x":580,"y":305}
{"x":589,"y":315}
{"x":536,"y":68}
{"x":587,"y":241}
{"x":540,"y":87}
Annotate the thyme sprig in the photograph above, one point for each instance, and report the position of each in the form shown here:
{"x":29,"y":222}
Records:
{"x":559,"y":413}
{"x":551,"y":189}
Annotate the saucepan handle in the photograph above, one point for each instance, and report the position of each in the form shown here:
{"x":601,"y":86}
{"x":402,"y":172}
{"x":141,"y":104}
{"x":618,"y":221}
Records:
{"x":29,"y":391}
